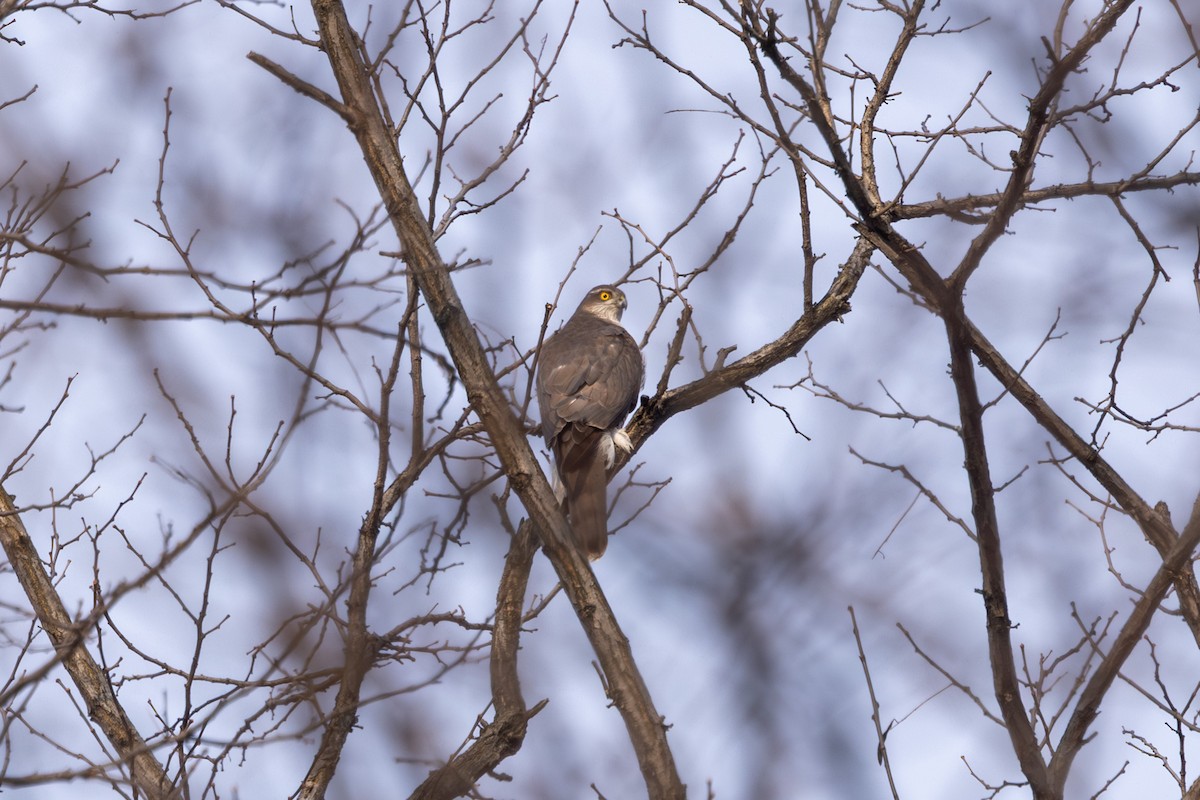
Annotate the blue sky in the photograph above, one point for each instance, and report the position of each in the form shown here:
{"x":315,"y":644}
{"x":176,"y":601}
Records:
{"x":733,"y":585}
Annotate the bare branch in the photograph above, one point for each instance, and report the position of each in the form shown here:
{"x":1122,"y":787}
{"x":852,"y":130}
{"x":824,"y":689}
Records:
{"x":1174,"y":564}
{"x":879,"y":730}
{"x":92,"y":682}
{"x":379,"y":149}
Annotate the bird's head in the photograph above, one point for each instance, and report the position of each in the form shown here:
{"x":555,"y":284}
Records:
{"x":606,"y":302}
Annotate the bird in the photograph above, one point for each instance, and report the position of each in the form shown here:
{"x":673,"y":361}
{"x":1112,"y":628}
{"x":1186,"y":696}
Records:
{"x":589,"y":375}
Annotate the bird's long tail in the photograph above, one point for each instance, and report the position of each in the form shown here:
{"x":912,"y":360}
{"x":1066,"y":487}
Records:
{"x":585,"y":478}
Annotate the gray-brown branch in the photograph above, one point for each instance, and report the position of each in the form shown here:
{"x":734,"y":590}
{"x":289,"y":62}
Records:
{"x":646,"y":730}
{"x":504,"y":735}
{"x":102,"y":705}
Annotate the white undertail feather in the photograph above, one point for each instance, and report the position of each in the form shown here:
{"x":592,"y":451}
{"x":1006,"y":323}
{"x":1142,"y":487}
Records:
{"x":610,"y":441}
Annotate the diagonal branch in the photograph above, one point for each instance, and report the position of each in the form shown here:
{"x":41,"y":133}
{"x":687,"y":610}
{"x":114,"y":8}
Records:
{"x":646,"y":730}
{"x":960,"y":207}
{"x":361,"y":647}
{"x":818,"y":106}
{"x":300,"y":85}
{"x":831,"y":307}
{"x":1005,"y":682}
{"x":1175,"y":564}
{"x":1039,"y":122}
{"x":1155,"y":527}
{"x":92,"y":681}
{"x":504,"y":735}
{"x":883,"y":90}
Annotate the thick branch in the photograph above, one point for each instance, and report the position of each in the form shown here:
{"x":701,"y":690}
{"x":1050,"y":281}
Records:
{"x":819,"y":111}
{"x":832,"y":306}
{"x":883,"y":90}
{"x":959,"y":207}
{"x":504,"y":735}
{"x":1039,"y":122}
{"x":1005,"y":682}
{"x":1156,"y":528}
{"x":1176,"y":565}
{"x":102,"y":704}
{"x":646,"y":730}
{"x":360,"y":647}
{"x":1158,"y":531}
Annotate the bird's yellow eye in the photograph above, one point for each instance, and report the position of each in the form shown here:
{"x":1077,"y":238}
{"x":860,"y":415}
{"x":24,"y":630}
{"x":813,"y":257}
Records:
{"x":606,"y":296}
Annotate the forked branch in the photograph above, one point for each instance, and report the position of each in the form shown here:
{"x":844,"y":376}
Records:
{"x":370,"y":128}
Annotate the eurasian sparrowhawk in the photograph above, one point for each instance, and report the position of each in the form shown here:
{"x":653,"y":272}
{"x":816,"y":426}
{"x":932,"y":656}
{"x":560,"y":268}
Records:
{"x":589,"y":375}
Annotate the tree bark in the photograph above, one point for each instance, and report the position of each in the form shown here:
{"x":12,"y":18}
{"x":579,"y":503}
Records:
{"x":102,"y":706}
{"x":374,"y":135}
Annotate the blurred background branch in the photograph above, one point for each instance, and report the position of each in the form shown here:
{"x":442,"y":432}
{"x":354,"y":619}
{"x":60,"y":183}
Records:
{"x":264,"y":399}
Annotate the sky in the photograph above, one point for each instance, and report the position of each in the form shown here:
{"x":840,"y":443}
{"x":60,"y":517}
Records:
{"x":734,"y":584}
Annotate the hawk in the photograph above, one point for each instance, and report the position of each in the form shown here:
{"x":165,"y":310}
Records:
{"x":589,"y":375}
